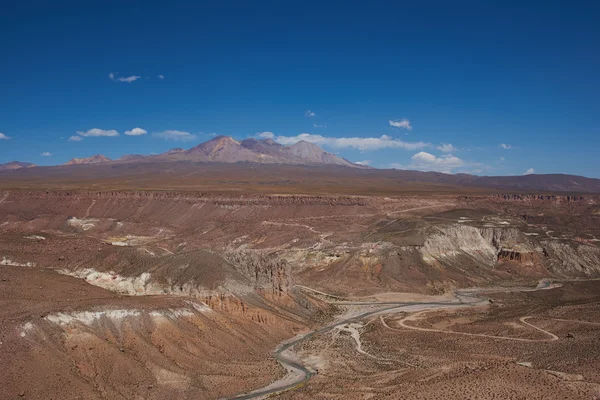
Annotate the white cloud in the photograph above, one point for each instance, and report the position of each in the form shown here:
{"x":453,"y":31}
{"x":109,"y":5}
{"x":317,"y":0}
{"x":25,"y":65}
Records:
{"x":75,"y":138}
{"x":502,"y":159}
{"x":99,"y":132}
{"x":529,"y":171}
{"x":320,"y":126}
{"x":175,"y":135}
{"x":128,"y":79}
{"x":309,"y":114}
{"x":505,"y":146}
{"x":424,"y":161}
{"x":403,"y":123}
{"x":46,"y":154}
{"x":365,"y":162}
{"x":266,"y":135}
{"x":136,"y":132}
{"x":161,"y":77}
{"x":447,"y":148}
{"x":425,"y":158}
{"x":3,"y":136}
{"x":364,"y":144}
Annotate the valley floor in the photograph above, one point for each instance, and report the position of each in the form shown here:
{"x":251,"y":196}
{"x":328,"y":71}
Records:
{"x":522,"y":345}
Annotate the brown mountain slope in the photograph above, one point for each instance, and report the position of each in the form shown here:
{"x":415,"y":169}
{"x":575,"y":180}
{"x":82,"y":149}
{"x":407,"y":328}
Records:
{"x":313,"y":154}
{"x":97,"y":159}
{"x":132,"y":157}
{"x":223,"y":149}
{"x":12,"y":165}
{"x":226,"y":149}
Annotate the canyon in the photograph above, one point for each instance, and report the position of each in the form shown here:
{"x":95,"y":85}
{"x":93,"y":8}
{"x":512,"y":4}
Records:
{"x":190,"y":291}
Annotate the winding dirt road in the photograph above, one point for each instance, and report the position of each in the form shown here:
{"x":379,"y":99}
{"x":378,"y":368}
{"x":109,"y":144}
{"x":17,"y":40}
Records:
{"x":298,"y":374}
{"x":412,"y":317}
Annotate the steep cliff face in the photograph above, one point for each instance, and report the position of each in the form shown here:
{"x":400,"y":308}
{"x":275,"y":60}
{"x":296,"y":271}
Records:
{"x":542,"y":197}
{"x":199,"y":245}
{"x":486,"y":245}
{"x":491,"y":246}
{"x":265,"y":272}
{"x":572,"y":259}
{"x":454,"y":240}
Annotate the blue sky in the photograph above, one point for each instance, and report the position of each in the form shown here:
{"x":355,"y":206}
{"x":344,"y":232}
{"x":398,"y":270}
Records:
{"x":473,"y":75}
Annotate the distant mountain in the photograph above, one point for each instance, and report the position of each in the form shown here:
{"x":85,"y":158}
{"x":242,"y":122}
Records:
{"x":176,"y":150}
{"x":313,"y":154}
{"x":131,"y":157}
{"x":303,"y":156}
{"x":15,"y":165}
{"x":97,"y":159}
{"x":267,"y":147}
{"x":223,"y":149}
{"x":226,"y":149}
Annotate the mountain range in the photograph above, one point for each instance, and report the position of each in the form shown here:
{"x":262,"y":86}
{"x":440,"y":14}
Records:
{"x":268,"y":162}
{"x":98,"y":158}
{"x":225,"y":149}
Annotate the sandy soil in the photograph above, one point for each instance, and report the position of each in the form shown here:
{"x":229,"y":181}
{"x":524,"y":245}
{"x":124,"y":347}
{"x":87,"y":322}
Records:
{"x":558,"y":360}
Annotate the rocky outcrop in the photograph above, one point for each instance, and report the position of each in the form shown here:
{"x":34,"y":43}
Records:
{"x":487,"y":246}
{"x":572,"y":258}
{"x":540,"y":197}
{"x":492,"y":246}
{"x":267,"y":273}
{"x":451,"y":241}
{"x":518,"y":256}
{"x":191,"y":196}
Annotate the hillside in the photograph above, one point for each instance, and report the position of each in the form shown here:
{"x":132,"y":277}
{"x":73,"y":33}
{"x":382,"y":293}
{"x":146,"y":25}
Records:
{"x":97,"y":159}
{"x":12,"y":165}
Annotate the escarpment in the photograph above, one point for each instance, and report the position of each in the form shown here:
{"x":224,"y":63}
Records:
{"x":266,"y":273}
{"x":208,"y":245}
{"x":491,"y":246}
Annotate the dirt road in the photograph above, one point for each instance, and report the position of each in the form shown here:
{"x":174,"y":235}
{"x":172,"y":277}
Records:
{"x":464,"y":298}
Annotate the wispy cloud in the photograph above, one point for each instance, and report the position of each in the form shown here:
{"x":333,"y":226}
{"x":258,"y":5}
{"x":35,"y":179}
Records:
{"x":447,"y":148}
{"x":175,"y":135}
{"x":46,"y":154}
{"x":401,"y":123}
{"x":360,"y":143}
{"x":505,"y":146}
{"x":75,"y":138}
{"x":502,"y":159}
{"x":161,"y":77}
{"x":364,"y":162}
{"x":136,"y":132}
{"x":95,"y":132}
{"x":319,"y":125}
{"x":424,"y":161}
{"x":309,"y":114}
{"x":529,"y":171}
{"x":128,"y":79}
{"x":3,"y":136}
{"x":266,"y":135}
